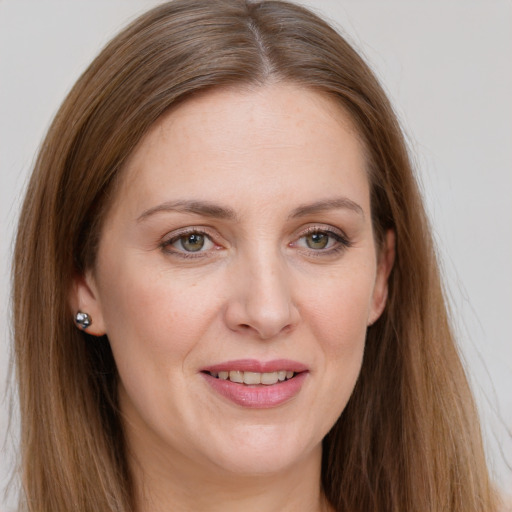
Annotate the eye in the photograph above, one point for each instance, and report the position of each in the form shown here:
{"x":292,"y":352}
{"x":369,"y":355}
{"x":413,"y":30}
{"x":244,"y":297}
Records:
{"x":189,"y":242}
{"x":192,"y":242}
{"x":322,"y":240}
{"x":317,"y":240}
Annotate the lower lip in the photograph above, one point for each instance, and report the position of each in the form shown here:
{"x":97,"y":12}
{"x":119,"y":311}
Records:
{"x":260,"y":396}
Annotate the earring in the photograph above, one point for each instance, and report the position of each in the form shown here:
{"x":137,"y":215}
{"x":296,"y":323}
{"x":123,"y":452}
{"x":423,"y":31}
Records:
{"x":83,"y":320}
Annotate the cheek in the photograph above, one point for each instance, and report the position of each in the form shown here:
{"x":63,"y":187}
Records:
{"x":154,"y":321}
{"x":338,"y":317}
{"x":152,"y":317}
{"x":340,"y":309}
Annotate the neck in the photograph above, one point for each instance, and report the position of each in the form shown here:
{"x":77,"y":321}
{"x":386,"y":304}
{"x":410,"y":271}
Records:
{"x":176,"y":485}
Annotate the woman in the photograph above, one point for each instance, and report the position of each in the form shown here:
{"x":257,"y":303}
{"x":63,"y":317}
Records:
{"x":233,"y":297}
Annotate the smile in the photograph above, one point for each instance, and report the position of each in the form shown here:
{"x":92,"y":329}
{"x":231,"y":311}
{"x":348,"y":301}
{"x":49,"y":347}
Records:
{"x":256,"y":384}
{"x":254,"y":378}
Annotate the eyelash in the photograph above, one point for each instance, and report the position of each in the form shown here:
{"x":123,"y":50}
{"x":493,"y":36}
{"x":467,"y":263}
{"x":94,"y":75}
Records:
{"x":341,"y":242}
{"x":167,"y":243}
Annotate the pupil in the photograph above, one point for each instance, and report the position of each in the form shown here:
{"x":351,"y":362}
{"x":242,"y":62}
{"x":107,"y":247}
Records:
{"x":193,"y":242}
{"x":318,"y":240}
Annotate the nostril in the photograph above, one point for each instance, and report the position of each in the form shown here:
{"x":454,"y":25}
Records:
{"x":262,"y":318}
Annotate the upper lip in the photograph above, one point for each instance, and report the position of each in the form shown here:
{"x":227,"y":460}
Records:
{"x":253,"y":365}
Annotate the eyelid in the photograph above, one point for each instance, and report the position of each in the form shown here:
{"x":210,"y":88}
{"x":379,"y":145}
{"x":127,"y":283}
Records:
{"x":321,"y":228}
{"x":173,"y":236}
{"x":343,"y":241}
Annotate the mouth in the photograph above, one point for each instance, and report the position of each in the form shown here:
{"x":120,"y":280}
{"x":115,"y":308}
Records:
{"x":254,"y":378}
{"x":256,"y":384}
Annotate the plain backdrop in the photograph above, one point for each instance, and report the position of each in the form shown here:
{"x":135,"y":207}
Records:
{"x":446,"y":65}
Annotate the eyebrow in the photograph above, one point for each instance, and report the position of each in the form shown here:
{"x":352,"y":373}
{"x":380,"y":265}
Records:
{"x":324,"y":205}
{"x":213,"y":210}
{"x":204,"y":208}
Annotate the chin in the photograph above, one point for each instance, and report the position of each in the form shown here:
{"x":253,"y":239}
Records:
{"x":265,"y":450}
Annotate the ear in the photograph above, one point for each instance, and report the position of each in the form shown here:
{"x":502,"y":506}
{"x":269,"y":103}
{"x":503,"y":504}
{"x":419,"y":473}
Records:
{"x":385,"y":261}
{"x":84,"y":297}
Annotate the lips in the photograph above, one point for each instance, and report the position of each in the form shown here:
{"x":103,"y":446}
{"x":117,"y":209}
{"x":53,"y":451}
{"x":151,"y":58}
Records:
{"x":256,"y":384}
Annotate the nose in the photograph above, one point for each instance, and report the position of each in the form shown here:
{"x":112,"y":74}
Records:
{"x":261,"y":300}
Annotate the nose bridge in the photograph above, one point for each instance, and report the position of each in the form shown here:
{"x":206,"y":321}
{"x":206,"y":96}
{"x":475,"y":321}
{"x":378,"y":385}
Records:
{"x":263,"y":301}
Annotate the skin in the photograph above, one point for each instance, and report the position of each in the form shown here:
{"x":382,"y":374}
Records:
{"x":261,"y":287}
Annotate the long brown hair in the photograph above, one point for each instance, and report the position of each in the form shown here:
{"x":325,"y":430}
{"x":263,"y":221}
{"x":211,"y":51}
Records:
{"x":408,"y":439}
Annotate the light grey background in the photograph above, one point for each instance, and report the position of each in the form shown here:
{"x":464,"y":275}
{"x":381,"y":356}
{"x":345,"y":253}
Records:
{"x":446,"y":65}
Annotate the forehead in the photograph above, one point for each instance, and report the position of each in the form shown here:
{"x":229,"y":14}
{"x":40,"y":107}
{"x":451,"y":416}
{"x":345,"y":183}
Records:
{"x":269,"y":137}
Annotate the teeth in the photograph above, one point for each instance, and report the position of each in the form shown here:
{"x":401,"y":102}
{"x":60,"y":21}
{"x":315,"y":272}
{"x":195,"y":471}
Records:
{"x":254,"y":378}
{"x":269,"y":378}
{"x":235,"y":376}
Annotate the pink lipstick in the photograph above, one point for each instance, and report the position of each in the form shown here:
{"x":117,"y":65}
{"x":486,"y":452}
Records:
{"x":257,"y":384}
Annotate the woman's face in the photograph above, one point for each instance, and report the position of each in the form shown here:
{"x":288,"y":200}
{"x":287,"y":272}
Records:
{"x":239,"y":248}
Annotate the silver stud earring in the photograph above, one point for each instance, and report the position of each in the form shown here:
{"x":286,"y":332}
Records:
{"x":83,"y":320}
